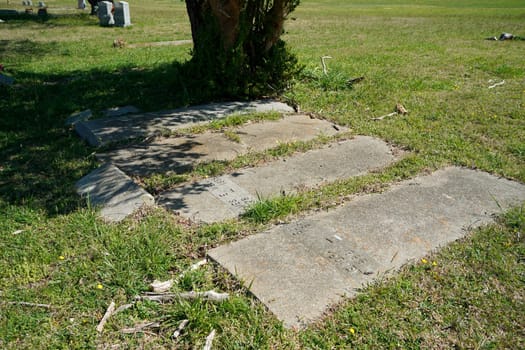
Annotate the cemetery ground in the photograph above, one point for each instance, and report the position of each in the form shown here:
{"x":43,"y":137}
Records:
{"x":430,"y":56}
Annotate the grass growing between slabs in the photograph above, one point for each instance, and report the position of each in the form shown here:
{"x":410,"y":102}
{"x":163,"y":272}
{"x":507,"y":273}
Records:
{"x":430,"y":56}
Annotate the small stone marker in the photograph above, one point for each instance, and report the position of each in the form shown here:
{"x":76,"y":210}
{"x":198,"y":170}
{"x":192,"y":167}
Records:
{"x":227,"y":196}
{"x":122,"y":17}
{"x":105,"y":15}
{"x":299,"y":269}
{"x":81,"y":4}
{"x":115,"y":192}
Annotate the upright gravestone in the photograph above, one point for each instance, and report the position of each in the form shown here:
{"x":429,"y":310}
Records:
{"x":122,"y":17}
{"x":105,"y":16}
{"x":81,"y":4}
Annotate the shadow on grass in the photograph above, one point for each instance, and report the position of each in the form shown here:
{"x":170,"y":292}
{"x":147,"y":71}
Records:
{"x":40,"y":159}
{"x":21,"y":19}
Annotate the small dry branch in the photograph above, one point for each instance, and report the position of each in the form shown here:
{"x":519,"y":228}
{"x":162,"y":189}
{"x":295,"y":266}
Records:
{"x":400,"y":109}
{"x":325,"y":69}
{"x":161,"y":286}
{"x":208,"y":295}
{"x":122,"y":308}
{"x":107,"y":315}
{"x":180,"y":328}
{"x":164,"y":286}
{"x":497,"y":84}
{"x":209,"y":340}
{"x":25,"y":303}
{"x":140,"y":327}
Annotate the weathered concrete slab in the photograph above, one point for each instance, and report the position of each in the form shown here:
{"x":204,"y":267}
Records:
{"x":78,"y":117}
{"x":301,"y":268}
{"x":182,"y":153}
{"x":120,"y":111}
{"x":102,"y":131}
{"x":112,"y":190}
{"x":221,"y":198}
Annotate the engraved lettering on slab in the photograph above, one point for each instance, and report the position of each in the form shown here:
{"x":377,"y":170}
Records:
{"x":353,"y":262}
{"x":297,"y":228}
{"x":229,"y":193}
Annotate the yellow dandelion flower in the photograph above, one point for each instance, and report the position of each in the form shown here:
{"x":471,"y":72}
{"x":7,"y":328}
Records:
{"x":424,"y":261}
{"x":434,"y":263}
{"x":352,"y":330}
{"x":61,"y":257}
{"x":99,"y":286}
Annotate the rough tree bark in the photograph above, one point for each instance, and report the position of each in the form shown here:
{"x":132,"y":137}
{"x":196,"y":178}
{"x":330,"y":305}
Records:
{"x":241,"y":35}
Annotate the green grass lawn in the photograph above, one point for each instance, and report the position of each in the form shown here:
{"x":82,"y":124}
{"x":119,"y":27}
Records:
{"x":430,"y":56}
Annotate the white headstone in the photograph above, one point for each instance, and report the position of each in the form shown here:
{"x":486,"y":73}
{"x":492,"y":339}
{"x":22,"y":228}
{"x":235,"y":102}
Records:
{"x":81,"y":4}
{"x":105,"y":16}
{"x":122,"y":17}
{"x":41,"y":4}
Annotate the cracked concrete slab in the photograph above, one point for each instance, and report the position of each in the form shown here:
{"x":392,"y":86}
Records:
{"x":227,"y":196}
{"x":301,"y":268}
{"x":182,"y":153}
{"x":102,"y":131}
{"x":113,"y":191}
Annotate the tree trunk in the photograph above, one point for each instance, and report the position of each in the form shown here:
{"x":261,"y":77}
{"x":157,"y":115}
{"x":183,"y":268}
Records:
{"x":235,"y":40}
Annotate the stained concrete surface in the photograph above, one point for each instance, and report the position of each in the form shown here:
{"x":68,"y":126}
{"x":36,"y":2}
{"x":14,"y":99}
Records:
{"x":227,"y":196}
{"x":178,"y":154}
{"x":102,"y":131}
{"x":299,"y":269}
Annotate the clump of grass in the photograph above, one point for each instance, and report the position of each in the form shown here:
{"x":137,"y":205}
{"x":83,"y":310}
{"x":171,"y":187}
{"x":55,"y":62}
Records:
{"x":266,"y":209}
{"x":331,"y":80}
{"x":232,"y":136}
{"x":156,"y":182}
{"x":230,"y":121}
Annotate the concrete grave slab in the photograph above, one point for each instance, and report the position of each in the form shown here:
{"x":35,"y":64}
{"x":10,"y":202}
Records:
{"x":221,"y":198}
{"x":112,"y":190}
{"x":298,"y":269}
{"x":120,"y":111}
{"x":102,"y":131}
{"x":182,"y":153}
{"x":78,"y":117}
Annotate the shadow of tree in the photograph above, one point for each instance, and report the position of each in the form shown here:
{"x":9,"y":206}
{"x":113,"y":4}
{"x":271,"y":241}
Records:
{"x":21,"y":19}
{"x":26,"y":48}
{"x":40,"y":159}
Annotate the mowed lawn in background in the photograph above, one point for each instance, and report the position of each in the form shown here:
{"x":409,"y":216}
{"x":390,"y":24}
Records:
{"x":430,"y":56}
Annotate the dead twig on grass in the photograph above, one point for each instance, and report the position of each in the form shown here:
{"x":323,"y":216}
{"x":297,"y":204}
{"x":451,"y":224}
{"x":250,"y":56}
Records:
{"x":164,"y":286}
{"x":208,"y":295}
{"x":110,"y":310}
{"x":325,"y":69}
{"x":179,"y":329}
{"x":141,"y":327}
{"x":25,"y":303}
{"x":209,"y":340}
{"x":400,"y":109}
{"x":497,"y":84}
